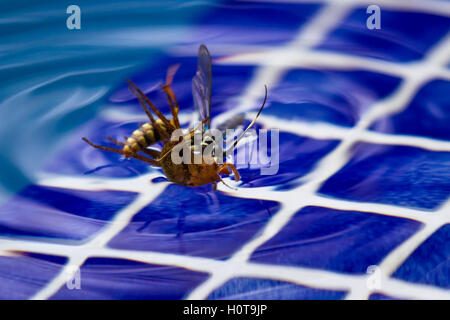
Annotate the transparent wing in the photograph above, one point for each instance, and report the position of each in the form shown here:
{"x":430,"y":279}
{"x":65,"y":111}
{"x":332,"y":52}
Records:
{"x":201,"y":86}
{"x":232,"y":123}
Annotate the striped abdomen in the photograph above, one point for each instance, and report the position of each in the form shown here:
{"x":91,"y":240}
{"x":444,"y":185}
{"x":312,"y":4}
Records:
{"x":143,"y":137}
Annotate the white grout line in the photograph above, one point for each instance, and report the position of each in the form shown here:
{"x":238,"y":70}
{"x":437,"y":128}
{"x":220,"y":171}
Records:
{"x":319,"y":59}
{"x":263,"y":193}
{"x":310,"y":34}
{"x":315,"y":278}
{"x":136,"y":184}
{"x":60,"y":279}
{"x":238,"y":264}
{"x":327,"y":18}
{"x":100,"y":239}
{"x":396,"y":257}
{"x":430,"y":6}
{"x":331,"y":163}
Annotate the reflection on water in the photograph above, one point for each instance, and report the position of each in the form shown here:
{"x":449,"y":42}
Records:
{"x":54,"y":79}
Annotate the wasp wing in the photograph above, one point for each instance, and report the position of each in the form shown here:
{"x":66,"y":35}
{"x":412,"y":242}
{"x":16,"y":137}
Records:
{"x":201,"y":86}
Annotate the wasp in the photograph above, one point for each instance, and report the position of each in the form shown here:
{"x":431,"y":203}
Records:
{"x":160,"y":130}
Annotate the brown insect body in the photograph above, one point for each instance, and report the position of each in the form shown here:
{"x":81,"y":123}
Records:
{"x":160,"y":130}
{"x":188,"y":174}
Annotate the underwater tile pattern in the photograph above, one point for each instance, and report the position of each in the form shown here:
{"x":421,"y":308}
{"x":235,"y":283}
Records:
{"x":23,"y":274}
{"x":421,"y":267}
{"x":74,"y":214}
{"x":263,"y":289}
{"x":362,"y":181}
{"x":104,"y":278}
{"x":335,"y":240}
{"x":379,"y":173}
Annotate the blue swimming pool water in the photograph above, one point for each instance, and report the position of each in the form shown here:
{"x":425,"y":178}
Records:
{"x":364,"y":152}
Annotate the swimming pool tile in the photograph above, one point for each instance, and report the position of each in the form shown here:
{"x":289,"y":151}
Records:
{"x":189,"y":221}
{"x":23,"y":275}
{"x":430,"y":262}
{"x":403,"y":37}
{"x":47,"y":212}
{"x":105,"y":278}
{"x":246,"y":23}
{"x":297,"y":156}
{"x":227,"y":81}
{"x":80,"y":159}
{"x":264,"y":289}
{"x":340,"y":241}
{"x":426,"y":116}
{"x":380,"y":296}
{"x":329,"y":96}
{"x":396,"y":175}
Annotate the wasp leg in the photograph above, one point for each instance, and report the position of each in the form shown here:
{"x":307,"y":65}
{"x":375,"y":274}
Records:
{"x":152,"y":153}
{"x":173,"y":103}
{"x":155,"y":110}
{"x":162,"y":133}
{"x":224,"y":169}
{"x":186,"y":139}
{"x":219,"y":178}
{"x":115,"y":141}
{"x":133,"y":155}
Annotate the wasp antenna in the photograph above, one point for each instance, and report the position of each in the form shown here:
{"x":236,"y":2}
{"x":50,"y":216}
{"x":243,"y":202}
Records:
{"x":250,"y":125}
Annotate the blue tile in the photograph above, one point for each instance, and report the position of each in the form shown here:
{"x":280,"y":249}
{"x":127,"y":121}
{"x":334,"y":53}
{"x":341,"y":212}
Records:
{"x":190,"y":221}
{"x":247,"y":23}
{"x":225,"y":84}
{"x":427,"y":114}
{"x":328,"y":96}
{"x":379,"y":296}
{"x":342,"y":241}
{"x":403,"y":37}
{"x":430,"y":263}
{"x":263,"y":289}
{"x":297,"y":157}
{"x":104,"y":278}
{"x":24,"y":275}
{"x":402,"y":176}
{"x":59,"y":213}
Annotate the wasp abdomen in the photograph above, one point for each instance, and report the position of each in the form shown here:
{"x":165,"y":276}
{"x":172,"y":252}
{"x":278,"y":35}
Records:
{"x":143,"y":137}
